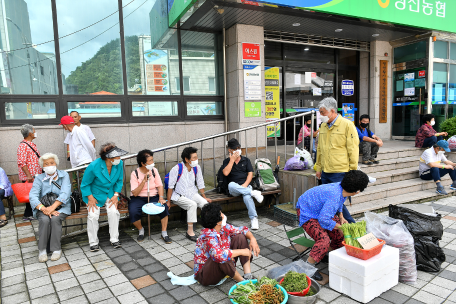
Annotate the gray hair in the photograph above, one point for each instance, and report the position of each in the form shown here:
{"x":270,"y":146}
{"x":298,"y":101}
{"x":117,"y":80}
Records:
{"x":329,"y":104}
{"x":48,"y":156}
{"x":26,"y":130}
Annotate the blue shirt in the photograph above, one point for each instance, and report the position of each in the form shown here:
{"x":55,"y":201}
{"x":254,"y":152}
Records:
{"x":40,"y":189}
{"x":321,"y":203}
{"x":5,"y":183}
{"x":332,"y":123}
{"x":361,"y":134}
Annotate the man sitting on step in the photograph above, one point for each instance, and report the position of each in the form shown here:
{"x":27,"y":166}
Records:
{"x":434,"y":165}
{"x":369,"y":143}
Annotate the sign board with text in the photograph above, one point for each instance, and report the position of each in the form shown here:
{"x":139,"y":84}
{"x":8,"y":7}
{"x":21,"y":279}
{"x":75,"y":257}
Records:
{"x":348,"y":88}
{"x":272,"y":104}
{"x":252,"y":109}
{"x":368,"y":241}
{"x":383,"y":91}
{"x":252,"y":71}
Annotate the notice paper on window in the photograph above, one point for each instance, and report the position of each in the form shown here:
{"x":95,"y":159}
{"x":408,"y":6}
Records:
{"x":399,"y":85}
{"x":297,"y":79}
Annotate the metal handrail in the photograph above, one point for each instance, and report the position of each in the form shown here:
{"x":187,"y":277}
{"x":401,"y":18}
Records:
{"x":275,"y":122}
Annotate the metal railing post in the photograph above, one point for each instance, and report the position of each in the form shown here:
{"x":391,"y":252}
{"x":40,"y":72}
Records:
{"x":202,"y":158}
{"x":164,"y":156}
{"x":294,"y":134}
{"x":266,"y":141}
{"x":246,"y":146}
{"x":125,"y":178}
{"x":213,"y":162}
{"x":256,"y":141}
{"x":302,"y":128}
{"x":312,"y":133}
{"x":285,"y":139}
{"x":275,"y":133}
{"x":79,"y":184}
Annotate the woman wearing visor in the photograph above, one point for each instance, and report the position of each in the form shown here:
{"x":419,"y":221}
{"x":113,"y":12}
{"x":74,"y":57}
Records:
{"x":101,"y":185}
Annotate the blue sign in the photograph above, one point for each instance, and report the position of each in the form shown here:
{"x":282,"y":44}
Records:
{"x":348,"y":87}
{"x":348,"y":111}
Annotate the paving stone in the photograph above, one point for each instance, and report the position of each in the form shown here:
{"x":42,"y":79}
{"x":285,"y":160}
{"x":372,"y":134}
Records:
{"x":142,"y":282}
{"x":99,"y":295}
{"x":380,"y":301}
{"x":35,"y":283}
{"x":59,"y":268}
{"x":140,"y":254}
{"x":89,"y":277}
{"x":394,"y":296}
{"x":439,"y":291}
{"x":75,"y":257}
{"x":146,"y":261}
{"x":167,"y":285}
{"x":163,"y":255}
{"x":276,"y":257}
{"x":213,"y":296}
{"x":15,"y":299}
{"x":328,"y":295}
{"x":344,"y":300}
{"x":129,"y":266}
{"x":108,"y":301}
{"x":134,"y":274}
{"x":93,"y":285}
{"x":194,"y":300}
{"x":41,"y":291}
{"x":183,"y":292}
{"x":116,"y":253}
{"x":103,"y":264}
{"x":131,"y":298}
{"x":152,"y":290}
{"x":132,"y":249}
{"x":17,"y":279}
{"x":171,"y":262}
{"x":15,"y":264}
{"x":162,"y":299}
{"x":427,"y":297}
{"x":181,"y":269}
{"x":12,"y":272}
{"x":83,"y":270}
{"x":48,"y":299}
{"x":79,"y":263}
{"x":77,"y":300}
{"x":70,"y":293}
{"x":116,"y":279}
{"x":66,"y":284}
{"x":11,"y":290}
{"x":107,"y":272}
{"x":122,"y":288}
{"x":448,"y":275}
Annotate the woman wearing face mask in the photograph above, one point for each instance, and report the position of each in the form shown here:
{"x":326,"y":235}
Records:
{"x":50,"y":200}
{"x":185,"y":179}
{"x":306,"y":136}
{"x":220,"y":246}
{"x":146,"y":178}
{"x":100,"y":186}
{"x":426,"y":136}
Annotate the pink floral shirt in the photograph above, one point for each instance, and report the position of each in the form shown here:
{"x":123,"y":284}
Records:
{"x":306,"y":133}
{"x":214,"y":245}
{"x":27,"y":157}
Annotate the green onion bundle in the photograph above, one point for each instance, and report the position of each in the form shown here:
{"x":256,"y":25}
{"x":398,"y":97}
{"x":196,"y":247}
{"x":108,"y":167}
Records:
{"x":352,"y":232}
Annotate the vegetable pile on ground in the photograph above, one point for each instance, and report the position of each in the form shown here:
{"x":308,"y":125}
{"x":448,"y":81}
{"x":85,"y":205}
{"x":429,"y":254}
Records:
{"x":352,"y":232}
{"x":262,"y":292}
{"x":294,"y":282}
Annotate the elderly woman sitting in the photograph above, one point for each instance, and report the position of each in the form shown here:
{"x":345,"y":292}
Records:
{"x":320,"y":213}
{"x":219,"y":247}
{"x":50,"y":201}
{"x":5,"y":191}
{"x":101,"y":185}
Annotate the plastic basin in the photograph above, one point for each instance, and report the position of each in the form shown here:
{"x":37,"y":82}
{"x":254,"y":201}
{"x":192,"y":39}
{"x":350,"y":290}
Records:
{"x":285,"y":295}
{"x":302,"y":293}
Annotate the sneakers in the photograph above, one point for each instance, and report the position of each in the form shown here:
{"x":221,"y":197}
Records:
{"x":43,"y":258}
{"x":166,"y":239}
{"x":453,"y":186}
{"x":116,"y":245}
{"x":441,"y":191}
{"x":56,"y":255}
{"x":374,"y":161}
{"x":257,"y":195}
{"x":28,"y":218}
{"x":367,"y":162}
{"x":254,"y":223}
{"x":317,"y":276}
{"x":140,"y":237}
{"x":94,"y":248}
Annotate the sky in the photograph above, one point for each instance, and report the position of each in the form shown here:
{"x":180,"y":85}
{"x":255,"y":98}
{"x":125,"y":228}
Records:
{"x":76,"y":15}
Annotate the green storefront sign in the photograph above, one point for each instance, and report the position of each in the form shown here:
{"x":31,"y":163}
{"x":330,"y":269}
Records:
{"x":429,"y":14}
{"x":176,"y":9}
{"x":252,"y":109}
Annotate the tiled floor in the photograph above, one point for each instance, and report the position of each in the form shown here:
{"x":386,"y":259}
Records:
{"x":137,"y":273}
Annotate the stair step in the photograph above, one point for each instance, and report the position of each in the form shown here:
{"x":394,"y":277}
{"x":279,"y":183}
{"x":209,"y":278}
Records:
{"x":391,"y":164}
{"x":398,"y":175}
{"x":415,"y":197}
{"x":391,"y":190}
{"x":390,"y":153}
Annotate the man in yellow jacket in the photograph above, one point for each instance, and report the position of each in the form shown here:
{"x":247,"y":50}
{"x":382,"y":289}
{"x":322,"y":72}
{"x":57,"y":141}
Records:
{"x":338,"y":147}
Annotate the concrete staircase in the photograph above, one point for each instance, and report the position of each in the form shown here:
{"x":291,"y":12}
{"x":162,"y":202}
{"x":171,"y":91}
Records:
{"x":398,"y":180}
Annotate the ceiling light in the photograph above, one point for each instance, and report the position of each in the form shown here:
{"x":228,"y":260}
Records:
{"x":306,"y":49}
{"x":296,"y":24}
{"x":338,"y":30}
{"x":375,"y":35}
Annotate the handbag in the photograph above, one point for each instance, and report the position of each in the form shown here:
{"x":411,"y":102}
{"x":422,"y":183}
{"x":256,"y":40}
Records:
{"x":75,"y":199}
{"x":22,"y":190}
{"x":123,"y":202}
{"x":49,"y":199}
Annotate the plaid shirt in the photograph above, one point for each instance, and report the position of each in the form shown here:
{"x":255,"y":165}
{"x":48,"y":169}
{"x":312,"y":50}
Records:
{"x":214,"y":245}
{"x":424,"y":132}
{"x":27,"y":157}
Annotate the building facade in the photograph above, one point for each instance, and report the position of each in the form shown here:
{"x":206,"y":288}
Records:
{"x":139,"y":72}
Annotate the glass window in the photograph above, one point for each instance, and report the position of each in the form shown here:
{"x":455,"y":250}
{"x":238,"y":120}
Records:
{"x":95,"y":109}
{"x":29,"y":110}
{"x":272,"y":50}
{"x":27,"y":60}
{"x":204,"y":108}
{"x":151,"y":56}
{"x":199,"y":60}
{"x":154,"y":108}
{"x":452,"y":85}
{"x":186,"y":84}
{"x":90,"y":46}
{"x":441,"y":49}
{"x":439,"y":83}
{"x":211,"y":84}
{"x":453,"y":51}
{"x":410,"y":52}
{"x":308,"y":53}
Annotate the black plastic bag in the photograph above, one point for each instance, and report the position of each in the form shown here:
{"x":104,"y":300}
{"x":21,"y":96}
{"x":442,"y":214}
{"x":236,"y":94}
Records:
{"x":427,"y":231}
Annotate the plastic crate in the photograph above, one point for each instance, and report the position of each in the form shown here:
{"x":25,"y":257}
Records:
{"x":362,"y":253}
{"x":285,"y":217}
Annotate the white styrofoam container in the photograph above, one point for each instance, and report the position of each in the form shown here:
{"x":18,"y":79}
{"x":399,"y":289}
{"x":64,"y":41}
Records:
{"x":363,"y":280}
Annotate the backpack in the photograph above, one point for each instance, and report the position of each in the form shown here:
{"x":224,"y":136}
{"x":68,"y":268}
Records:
{"x":179,"y":174}
{"x":137,"y":176}
{"x":265,"y":178}
{"x":222,"y":182}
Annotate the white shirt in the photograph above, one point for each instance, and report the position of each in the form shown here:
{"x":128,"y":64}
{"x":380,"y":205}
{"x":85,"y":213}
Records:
{"x":86,"y":129}
{"x":186,"y":184}
{"x":429,"y":156}
{"x":81,"y":148}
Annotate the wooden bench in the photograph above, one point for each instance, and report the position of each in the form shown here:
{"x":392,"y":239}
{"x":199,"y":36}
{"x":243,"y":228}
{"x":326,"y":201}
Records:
{"x":268,"y":197}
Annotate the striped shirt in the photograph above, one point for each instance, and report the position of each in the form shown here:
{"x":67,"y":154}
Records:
{"x":186,"y":185}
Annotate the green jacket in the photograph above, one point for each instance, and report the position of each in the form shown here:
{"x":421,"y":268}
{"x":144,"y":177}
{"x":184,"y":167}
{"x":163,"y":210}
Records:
{"x":338,"y":147}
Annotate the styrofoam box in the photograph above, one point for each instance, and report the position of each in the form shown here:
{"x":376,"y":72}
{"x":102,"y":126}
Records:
{"x":363,"y":280}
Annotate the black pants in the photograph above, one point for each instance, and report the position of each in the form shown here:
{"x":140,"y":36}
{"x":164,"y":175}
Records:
{"x":28,"y":209}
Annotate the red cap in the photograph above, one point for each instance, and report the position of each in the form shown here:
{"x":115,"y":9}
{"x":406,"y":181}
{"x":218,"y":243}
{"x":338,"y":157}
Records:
{"x":66,"y":120}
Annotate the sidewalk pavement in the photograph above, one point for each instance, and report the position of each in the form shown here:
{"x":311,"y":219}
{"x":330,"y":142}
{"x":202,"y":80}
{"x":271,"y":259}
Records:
{"x":136,"y":273}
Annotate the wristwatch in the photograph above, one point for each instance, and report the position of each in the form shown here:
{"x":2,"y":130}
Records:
{"x":116,"y":194}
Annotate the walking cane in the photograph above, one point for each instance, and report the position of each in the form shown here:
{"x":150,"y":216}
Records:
{"x":148,"y":201}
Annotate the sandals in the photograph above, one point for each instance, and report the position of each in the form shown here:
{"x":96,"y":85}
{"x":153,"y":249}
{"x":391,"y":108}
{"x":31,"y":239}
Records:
{"x":3,"y":223}
{"x":192,"y":238}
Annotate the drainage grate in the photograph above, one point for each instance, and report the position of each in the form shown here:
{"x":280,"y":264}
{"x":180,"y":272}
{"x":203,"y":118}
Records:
{"x":350,"y":44}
